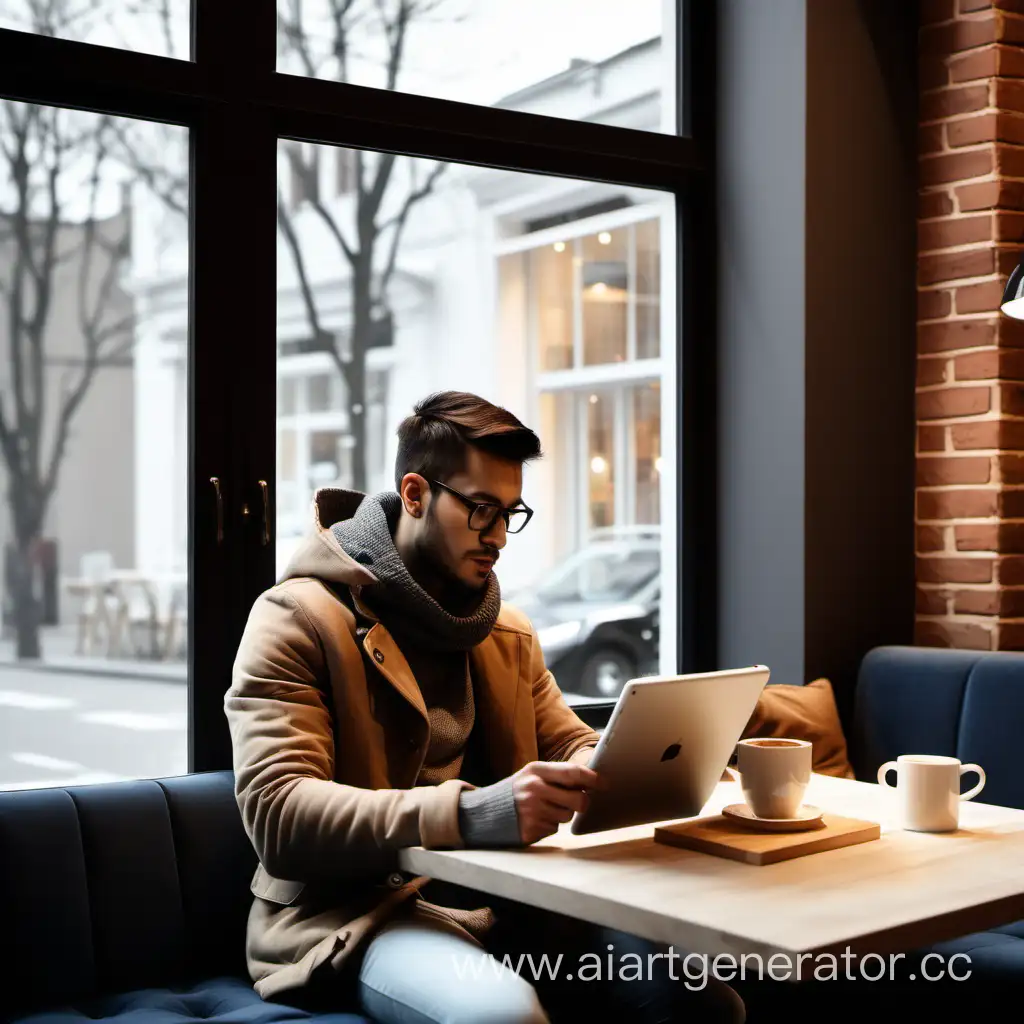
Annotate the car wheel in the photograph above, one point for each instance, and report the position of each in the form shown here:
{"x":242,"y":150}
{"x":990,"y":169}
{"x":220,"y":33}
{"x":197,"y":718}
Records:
{"x":605,"y":673}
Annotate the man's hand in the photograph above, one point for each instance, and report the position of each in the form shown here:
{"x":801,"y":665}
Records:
{"x":548,"y":793}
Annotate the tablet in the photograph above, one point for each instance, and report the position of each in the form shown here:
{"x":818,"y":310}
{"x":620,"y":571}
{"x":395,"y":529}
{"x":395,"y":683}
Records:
{"x":666,"y":745}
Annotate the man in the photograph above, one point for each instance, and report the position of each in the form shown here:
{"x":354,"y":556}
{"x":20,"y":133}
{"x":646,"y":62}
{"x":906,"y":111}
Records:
{"x":384,"y":697}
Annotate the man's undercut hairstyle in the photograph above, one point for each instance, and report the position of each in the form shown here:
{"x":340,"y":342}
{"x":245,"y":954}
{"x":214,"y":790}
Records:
{"x":433,"y":440}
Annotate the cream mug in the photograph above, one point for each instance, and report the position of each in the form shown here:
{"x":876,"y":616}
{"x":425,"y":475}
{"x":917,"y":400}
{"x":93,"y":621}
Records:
{"x":774,"y":773}
{"x":928,"y":789}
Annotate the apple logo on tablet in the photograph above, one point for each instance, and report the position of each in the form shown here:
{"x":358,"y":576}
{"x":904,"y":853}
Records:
{"x":671,"y":751}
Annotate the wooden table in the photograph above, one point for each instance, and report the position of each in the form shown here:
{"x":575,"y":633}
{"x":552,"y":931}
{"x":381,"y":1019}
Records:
{"x":893,"y":894}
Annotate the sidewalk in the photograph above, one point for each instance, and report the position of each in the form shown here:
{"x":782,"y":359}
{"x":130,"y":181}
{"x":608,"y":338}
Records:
{"x":58,"y":644}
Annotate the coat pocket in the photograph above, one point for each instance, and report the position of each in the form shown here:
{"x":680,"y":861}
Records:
{"x":275,"y":890}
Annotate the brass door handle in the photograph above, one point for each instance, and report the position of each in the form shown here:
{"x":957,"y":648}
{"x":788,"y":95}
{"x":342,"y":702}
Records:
{"x":266,"y":511}
{"x":215,"y":480}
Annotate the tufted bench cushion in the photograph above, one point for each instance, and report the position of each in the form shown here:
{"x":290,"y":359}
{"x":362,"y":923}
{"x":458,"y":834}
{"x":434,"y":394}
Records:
{"x":222,"y":1000}
{"x":129,"y":900}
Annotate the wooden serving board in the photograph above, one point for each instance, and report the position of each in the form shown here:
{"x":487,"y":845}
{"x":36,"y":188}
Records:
{"x":719,"y":836}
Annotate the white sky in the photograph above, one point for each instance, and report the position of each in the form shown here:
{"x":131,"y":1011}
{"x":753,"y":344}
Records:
{"x":467,"y":49}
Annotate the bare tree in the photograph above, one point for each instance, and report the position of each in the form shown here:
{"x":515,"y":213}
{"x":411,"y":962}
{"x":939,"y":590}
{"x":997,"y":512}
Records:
{"x":55,"y":247}
{"x":368,"y":242}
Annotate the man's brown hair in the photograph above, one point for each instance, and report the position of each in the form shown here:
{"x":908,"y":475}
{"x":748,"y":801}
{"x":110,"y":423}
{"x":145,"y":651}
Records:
{"x":433,"y":440}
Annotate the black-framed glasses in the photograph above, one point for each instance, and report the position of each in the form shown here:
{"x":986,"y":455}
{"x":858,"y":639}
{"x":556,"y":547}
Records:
{"x":484,"y":514}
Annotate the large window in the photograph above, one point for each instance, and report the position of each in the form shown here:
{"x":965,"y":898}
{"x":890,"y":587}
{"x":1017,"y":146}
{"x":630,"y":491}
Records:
{"x":223,"y":286}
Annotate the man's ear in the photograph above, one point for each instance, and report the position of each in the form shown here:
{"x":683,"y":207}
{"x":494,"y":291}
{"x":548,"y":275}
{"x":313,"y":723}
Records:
{"x":415,"y":492}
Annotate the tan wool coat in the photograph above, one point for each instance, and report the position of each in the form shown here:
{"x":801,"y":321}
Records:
{"x":327,"y":753}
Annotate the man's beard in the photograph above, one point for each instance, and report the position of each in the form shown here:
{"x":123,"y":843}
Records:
{"x":428,"y":568}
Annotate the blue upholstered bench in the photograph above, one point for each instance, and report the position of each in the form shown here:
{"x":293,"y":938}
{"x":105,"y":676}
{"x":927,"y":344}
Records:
{"x":966,"y":704}
{"x":128,"y":901}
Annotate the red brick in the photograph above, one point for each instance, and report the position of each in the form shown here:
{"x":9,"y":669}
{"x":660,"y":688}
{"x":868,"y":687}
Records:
{"x":975,"y":163}
{"x":990,"y":364}
{"x":1010,"y":636}
{"x":976,"y":602}
{"x":1006,"y":603}
{"x":1011,"y":399}
{"x":1011,"y":503}
{"x":972,"y":131}
{"x":1011,"y":603}
{"x":963,"y":99}
{"x":959,"y":504}
{"x":934,"y":304}
{"x":967,"y":131}
{"x":1006,"y":538}
{"x":979,"y":298}
{"x":1007,"y":258}
{"x":961,"y":35}
{"x":1008,"y":227}
{"x":932,"y":600}
{"x":931,"y":371}
{"x":939,"y":471}
{"x":934,"y":204}
{"x":930,"y":538}
{"x":968,"y":436}
{"x":944,"y":234}
{"x":1010,"y":571}
{"x":1010,"y":468}
{"x":988,"y":195}
{"x":931,"y":439}
{"x":951,"y":266}
{"x":961,"y":635}
{"x":957,"y":334}
{"x":988,"y":62}
{"x":1009,"y":332}
{"x":945,"y":403}
{"x":954,"y":570}
{"x":1009,"y":159}
{"x":1006,"y":94}
{"x":977,"y":365}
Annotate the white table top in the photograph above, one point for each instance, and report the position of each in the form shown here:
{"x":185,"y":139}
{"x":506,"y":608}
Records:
{"x":893,"y":894}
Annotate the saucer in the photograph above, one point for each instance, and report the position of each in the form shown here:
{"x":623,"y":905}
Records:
{"x":808,"y":817}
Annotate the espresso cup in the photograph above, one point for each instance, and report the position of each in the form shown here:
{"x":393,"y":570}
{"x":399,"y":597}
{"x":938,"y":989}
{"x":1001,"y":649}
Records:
{"x":774,"y":773}
{"x":928,"y":790}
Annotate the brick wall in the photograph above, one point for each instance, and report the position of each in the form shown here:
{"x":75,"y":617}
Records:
{"x":970,"y":366}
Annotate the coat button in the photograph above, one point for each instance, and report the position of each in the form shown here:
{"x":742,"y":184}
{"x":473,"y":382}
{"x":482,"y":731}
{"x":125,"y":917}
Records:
{"x":378,"y":656}
{"x":396,"y":880}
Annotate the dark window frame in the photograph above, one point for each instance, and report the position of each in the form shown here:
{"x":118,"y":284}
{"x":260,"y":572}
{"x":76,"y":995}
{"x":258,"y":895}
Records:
{"x":237,"y":107}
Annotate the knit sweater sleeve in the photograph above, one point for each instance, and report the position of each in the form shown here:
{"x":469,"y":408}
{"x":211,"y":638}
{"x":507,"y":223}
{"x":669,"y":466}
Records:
{"x":487,"y":816}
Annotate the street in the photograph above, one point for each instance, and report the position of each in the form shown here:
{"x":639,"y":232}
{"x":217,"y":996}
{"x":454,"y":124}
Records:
{"x":59,"y":729}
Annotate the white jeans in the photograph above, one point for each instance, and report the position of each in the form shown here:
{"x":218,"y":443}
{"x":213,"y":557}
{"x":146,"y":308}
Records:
{"x":419,"y":970}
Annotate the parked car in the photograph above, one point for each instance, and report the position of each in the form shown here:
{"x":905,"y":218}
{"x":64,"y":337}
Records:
{"x":597,"y":612}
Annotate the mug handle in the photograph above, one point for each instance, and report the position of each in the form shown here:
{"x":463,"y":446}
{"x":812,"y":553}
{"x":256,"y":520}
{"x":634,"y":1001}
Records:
{"x":971,"y":793}
{"x":883,"y":771}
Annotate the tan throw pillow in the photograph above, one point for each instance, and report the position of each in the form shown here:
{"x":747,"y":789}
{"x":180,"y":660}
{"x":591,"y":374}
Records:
{"x":804,"y":713}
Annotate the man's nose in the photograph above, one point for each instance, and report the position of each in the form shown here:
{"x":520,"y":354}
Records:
{"x":496,"y":535}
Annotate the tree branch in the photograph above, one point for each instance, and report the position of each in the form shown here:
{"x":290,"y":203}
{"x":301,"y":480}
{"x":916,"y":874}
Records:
{"x":398,"y":223}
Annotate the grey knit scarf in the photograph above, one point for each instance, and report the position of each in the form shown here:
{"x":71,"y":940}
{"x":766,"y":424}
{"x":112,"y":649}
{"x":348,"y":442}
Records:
{"x":402,"y":605}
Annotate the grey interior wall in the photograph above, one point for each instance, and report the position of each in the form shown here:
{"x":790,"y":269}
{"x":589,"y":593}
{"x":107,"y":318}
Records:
{"x":817,"y":125}
{"x":761,"y":121}
{"x":860,"y":333}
